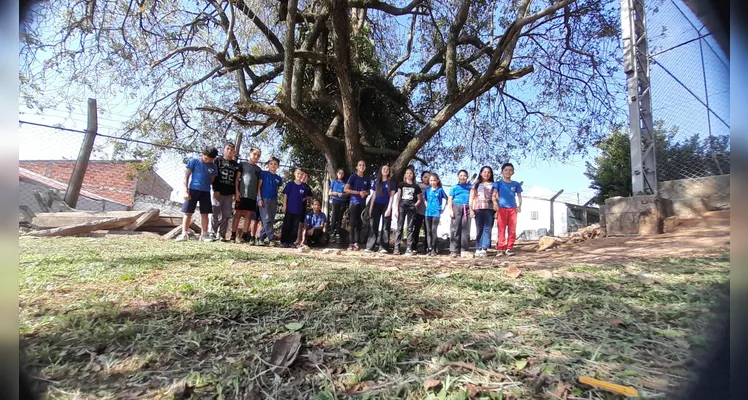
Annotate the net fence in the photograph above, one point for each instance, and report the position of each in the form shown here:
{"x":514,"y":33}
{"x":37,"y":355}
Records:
{"x":689,"y":78}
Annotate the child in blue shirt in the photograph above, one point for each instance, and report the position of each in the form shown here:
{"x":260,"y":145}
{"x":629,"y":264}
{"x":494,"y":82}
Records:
{"x":338,"y":200}
{"x":380,"y":207}
{"x":434,"y":197}
{"x":200,"y":174}
{"x":504,"y":192}
{"x":358,"y":187}
{"x":459,"y":211}
{"x":314,"y":225}
{"x":294,"y":195}
{"x":267,"y":200}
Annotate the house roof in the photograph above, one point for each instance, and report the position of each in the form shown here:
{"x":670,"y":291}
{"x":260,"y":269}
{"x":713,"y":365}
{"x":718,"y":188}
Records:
{"x":114,"y":180}
{"x":23,"y":173}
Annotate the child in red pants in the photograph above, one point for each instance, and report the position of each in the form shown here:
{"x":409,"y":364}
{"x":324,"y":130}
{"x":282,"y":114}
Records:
{"x":504,"y":192}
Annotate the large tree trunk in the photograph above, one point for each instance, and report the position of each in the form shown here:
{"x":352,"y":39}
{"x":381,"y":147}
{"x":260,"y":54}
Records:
{"x":348,"y":94}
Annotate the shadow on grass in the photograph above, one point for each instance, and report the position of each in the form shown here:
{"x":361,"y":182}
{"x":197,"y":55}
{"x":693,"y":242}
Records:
{"x":364,"y":332}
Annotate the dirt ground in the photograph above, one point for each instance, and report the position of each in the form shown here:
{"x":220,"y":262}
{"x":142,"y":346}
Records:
{"x":695,"y":237}
{"x":706,"y":236}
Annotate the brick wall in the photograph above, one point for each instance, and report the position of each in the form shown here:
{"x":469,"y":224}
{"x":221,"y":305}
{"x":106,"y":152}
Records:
{"x":116,"y":180}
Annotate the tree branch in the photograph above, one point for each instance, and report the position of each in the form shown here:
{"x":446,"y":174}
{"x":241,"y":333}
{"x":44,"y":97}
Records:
{"x":289,"y":47}
{"x":387,"y":8}
{"x":450,"y":55}
{"x":234,"y":116}
{"x":543,"y":13}
{"x":409,"y":48}
{"x":184,"y":50}
{"x":259,"y":24}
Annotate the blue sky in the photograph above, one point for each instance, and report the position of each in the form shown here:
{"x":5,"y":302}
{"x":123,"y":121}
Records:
{"x":542,"y":177}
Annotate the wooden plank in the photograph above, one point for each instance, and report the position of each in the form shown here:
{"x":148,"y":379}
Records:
{"x":172,"y":233}
{"x":70,"y":230}
{"x":163,"y":221}
{"x":148,"y":216}
{"x":56,"y":220}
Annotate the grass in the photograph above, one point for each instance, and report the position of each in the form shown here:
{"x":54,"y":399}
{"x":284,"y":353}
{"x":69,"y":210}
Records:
{"x":138,"y":317}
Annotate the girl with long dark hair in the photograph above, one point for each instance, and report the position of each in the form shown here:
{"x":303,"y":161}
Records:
{"x":481,"y":209}
{"x":380,"y":207}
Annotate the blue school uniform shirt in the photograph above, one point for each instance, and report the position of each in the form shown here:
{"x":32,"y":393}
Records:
{"x":460,"y":194}
{"x":315,"y":221}
{"x":296,"y":194}
{"x":270,"y":184}
{"x":201,"y":174}
{"x":384,"y":197}
{"x":434,"y":201}
{"x":337,"y":186}
{"x":358,"y":183}
{"x":507,"y":192}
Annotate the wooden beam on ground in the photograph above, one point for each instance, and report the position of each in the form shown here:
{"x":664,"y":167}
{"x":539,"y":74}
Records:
{"x":172,"y":233}
{"x":71,"y":230}
{"x":58,"y":219}
{"x":150,"y":215}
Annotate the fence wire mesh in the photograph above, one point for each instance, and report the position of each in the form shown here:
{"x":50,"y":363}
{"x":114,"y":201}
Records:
{"x":689,"y":78}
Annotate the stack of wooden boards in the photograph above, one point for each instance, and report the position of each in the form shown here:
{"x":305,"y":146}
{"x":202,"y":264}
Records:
{"x":108,"y":223}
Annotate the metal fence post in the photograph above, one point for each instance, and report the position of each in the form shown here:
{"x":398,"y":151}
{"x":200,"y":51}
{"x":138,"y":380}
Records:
{"x":79,"y":171}
{"x":636,"y":67}
{"x":553,"y":223}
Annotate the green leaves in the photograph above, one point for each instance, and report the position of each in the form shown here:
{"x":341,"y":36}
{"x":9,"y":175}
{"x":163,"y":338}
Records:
{"x":294,"y":326}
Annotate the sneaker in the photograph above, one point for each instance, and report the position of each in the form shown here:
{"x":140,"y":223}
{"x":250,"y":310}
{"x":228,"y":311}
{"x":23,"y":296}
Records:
{"x":356,"y":247}
{"x":204,"y":237}
{"x":368,"y":251}
{"x":292,"y":246}
{"x":408,"y":252}
{"x":233,"y":237}
{"x":383,"y":251}
{"x":182,"y":237}
{"x":245,"y":238}
{"x":396,"y":251}
{"x":433,"y":253}
{"x":351,"y":248}
{"x":213,"y":236}
{"x":284,"y":245}
{"x":499,"y":253}
{"x":509,"y":252}
{"x":480,"y":253}
{"x":453,"y":255}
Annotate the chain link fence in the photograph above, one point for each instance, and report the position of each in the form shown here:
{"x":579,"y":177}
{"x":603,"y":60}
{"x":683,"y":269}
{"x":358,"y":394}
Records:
{"x":689,"y":78}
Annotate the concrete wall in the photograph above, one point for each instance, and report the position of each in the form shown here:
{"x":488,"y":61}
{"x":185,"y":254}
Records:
{"x":642,"y":215}
{"x":692,"y":197}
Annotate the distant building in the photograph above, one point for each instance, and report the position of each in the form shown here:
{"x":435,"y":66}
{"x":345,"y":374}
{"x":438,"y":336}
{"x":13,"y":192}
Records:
{"x":535,"y":219}
{"x":107,"y":185}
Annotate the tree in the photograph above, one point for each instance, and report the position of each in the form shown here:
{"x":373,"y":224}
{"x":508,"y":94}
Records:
{"x":693,"y":157}
{"x":482,"y":78}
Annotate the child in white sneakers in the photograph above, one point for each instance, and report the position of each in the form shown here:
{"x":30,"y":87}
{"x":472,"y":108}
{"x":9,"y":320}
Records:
{"x":197,"y":181}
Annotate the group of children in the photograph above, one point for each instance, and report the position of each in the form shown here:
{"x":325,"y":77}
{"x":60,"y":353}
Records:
{"x":253,"y":193}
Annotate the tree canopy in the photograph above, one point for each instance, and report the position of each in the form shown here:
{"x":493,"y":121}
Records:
{"x":437,"y":79}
